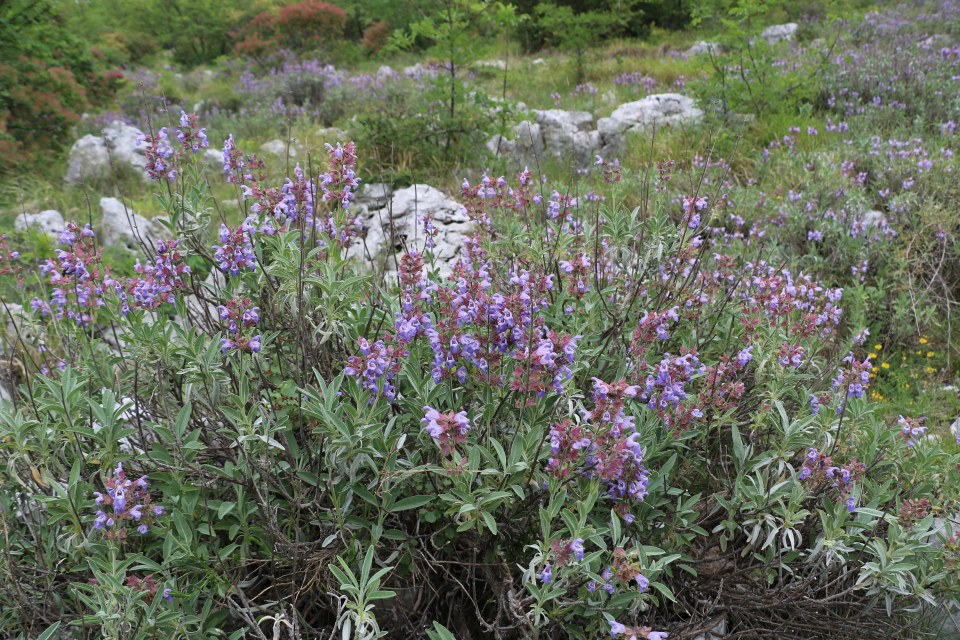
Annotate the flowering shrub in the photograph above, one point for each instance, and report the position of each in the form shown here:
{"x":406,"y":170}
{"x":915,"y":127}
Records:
{"x":599,"y":420}
{"x":640,"y":405}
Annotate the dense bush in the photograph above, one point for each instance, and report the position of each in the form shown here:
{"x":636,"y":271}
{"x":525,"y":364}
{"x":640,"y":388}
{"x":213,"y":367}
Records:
{"x":47,"y":79}
{"x":641,"y":402}
{"x":598,"y":420}
{"x":304,"y":26}
{"x":375,"y":36}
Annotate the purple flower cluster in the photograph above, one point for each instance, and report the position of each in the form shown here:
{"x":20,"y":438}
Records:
{"x":666,"y":386}
{"x":635,"y":633}
{"x":791,"y":355}
{"x":606,"y":447}
{"x":238,"y":166}
{"x":235,"y":253}
{"x":125,"y":501}
{"x":818,"y":469}
{"x":855,"y":378}
{"x":912,"y":429}
{"x":161,"y":159}
{"x":339,"y":185}
{"x":633,"y":78}
{"x":77,"y":276}
{"x":191,"y":135}
{"x":376,"y":367}
{"x":447,"y":429}
{"x":562,"y":553}
{"x":157,"y":280}
{"x":240,"y":316}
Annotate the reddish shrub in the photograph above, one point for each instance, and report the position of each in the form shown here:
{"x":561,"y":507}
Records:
{"x":305,"y":25}
{"x":375,"y":37}
{"x":40,"y":103}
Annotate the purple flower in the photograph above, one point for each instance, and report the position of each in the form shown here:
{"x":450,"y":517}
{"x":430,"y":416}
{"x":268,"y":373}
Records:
{"x":235,"y":253}
{"x":124,"y":501}
{"x":446,"y":429}
{"x":547,"y":574}
{"x":576,"y":547}
{"x":642,"y":582}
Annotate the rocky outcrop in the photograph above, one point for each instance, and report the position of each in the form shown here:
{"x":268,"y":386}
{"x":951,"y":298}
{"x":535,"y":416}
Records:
{"x":569,"y":135}
{"x":572,"y":136}
{"x":374,"y":195}
{"x":49,"y":222}
{"x":779,"y":32}
{"x":278,"y":148}
{"x":396,"y":227}
{"x":659,"y":110}
{"x":213,"y":157}
{"x":701,"y":48}
{"x":121,"y":226}
{"x":91,"y":156}
{"x":564,"y":135}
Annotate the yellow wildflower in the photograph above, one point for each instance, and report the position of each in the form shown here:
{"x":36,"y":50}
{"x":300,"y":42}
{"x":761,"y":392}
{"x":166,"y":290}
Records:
{"x":930,"y":354}
{"x":885,"y":365}
{"x":923,"y":341}
{"x":877,"y":347}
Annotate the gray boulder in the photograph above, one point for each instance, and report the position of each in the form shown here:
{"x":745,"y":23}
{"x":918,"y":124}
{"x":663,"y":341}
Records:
{"x":49,"y":222}
{"x":121,"y":226}
{"x":568,"y":135}
{"x":701,"y":47}
{"x":662,"y":109}
{"x":874,"y":218}
{"x":213,"y":157}
{"x":123,"y":143}
{"x":497,"y":65}
{"x":88,"y":158}
{"x":779,"y":32}
{"x":278,"y":148}
{"x":525,"y":147}
{"x":396,"y":228}
{"x":565,"y":135}
{"x":374,"y":195}
{"x":91,"y":156}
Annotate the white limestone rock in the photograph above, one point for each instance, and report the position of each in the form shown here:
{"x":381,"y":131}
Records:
{"x":278,"y":148}
{"x":701,"y":48}
{"x":658,"y":110}
{"x":88,"y":158}
{"x":49,"y":222}
{"x":91,"y":156}
{"x":396,"y":228}
{"x":122,"y":141}
{"x":121,"y":226}
{"x":779,"y":32}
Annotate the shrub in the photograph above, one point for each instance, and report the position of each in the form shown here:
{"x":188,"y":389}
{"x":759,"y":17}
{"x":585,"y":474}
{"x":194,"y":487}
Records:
{"x":47,"y":79}
{"x":38,"y":104}
{"x":375,"y":37}
{"x":304,"y":26}
{"x":593,"y":420}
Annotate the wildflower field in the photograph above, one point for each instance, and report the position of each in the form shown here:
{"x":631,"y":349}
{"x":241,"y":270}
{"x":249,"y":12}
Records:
{"x":472,"y":320}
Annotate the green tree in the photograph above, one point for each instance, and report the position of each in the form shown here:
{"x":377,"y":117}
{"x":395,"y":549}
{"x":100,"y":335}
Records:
{"x":576,"y":32}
